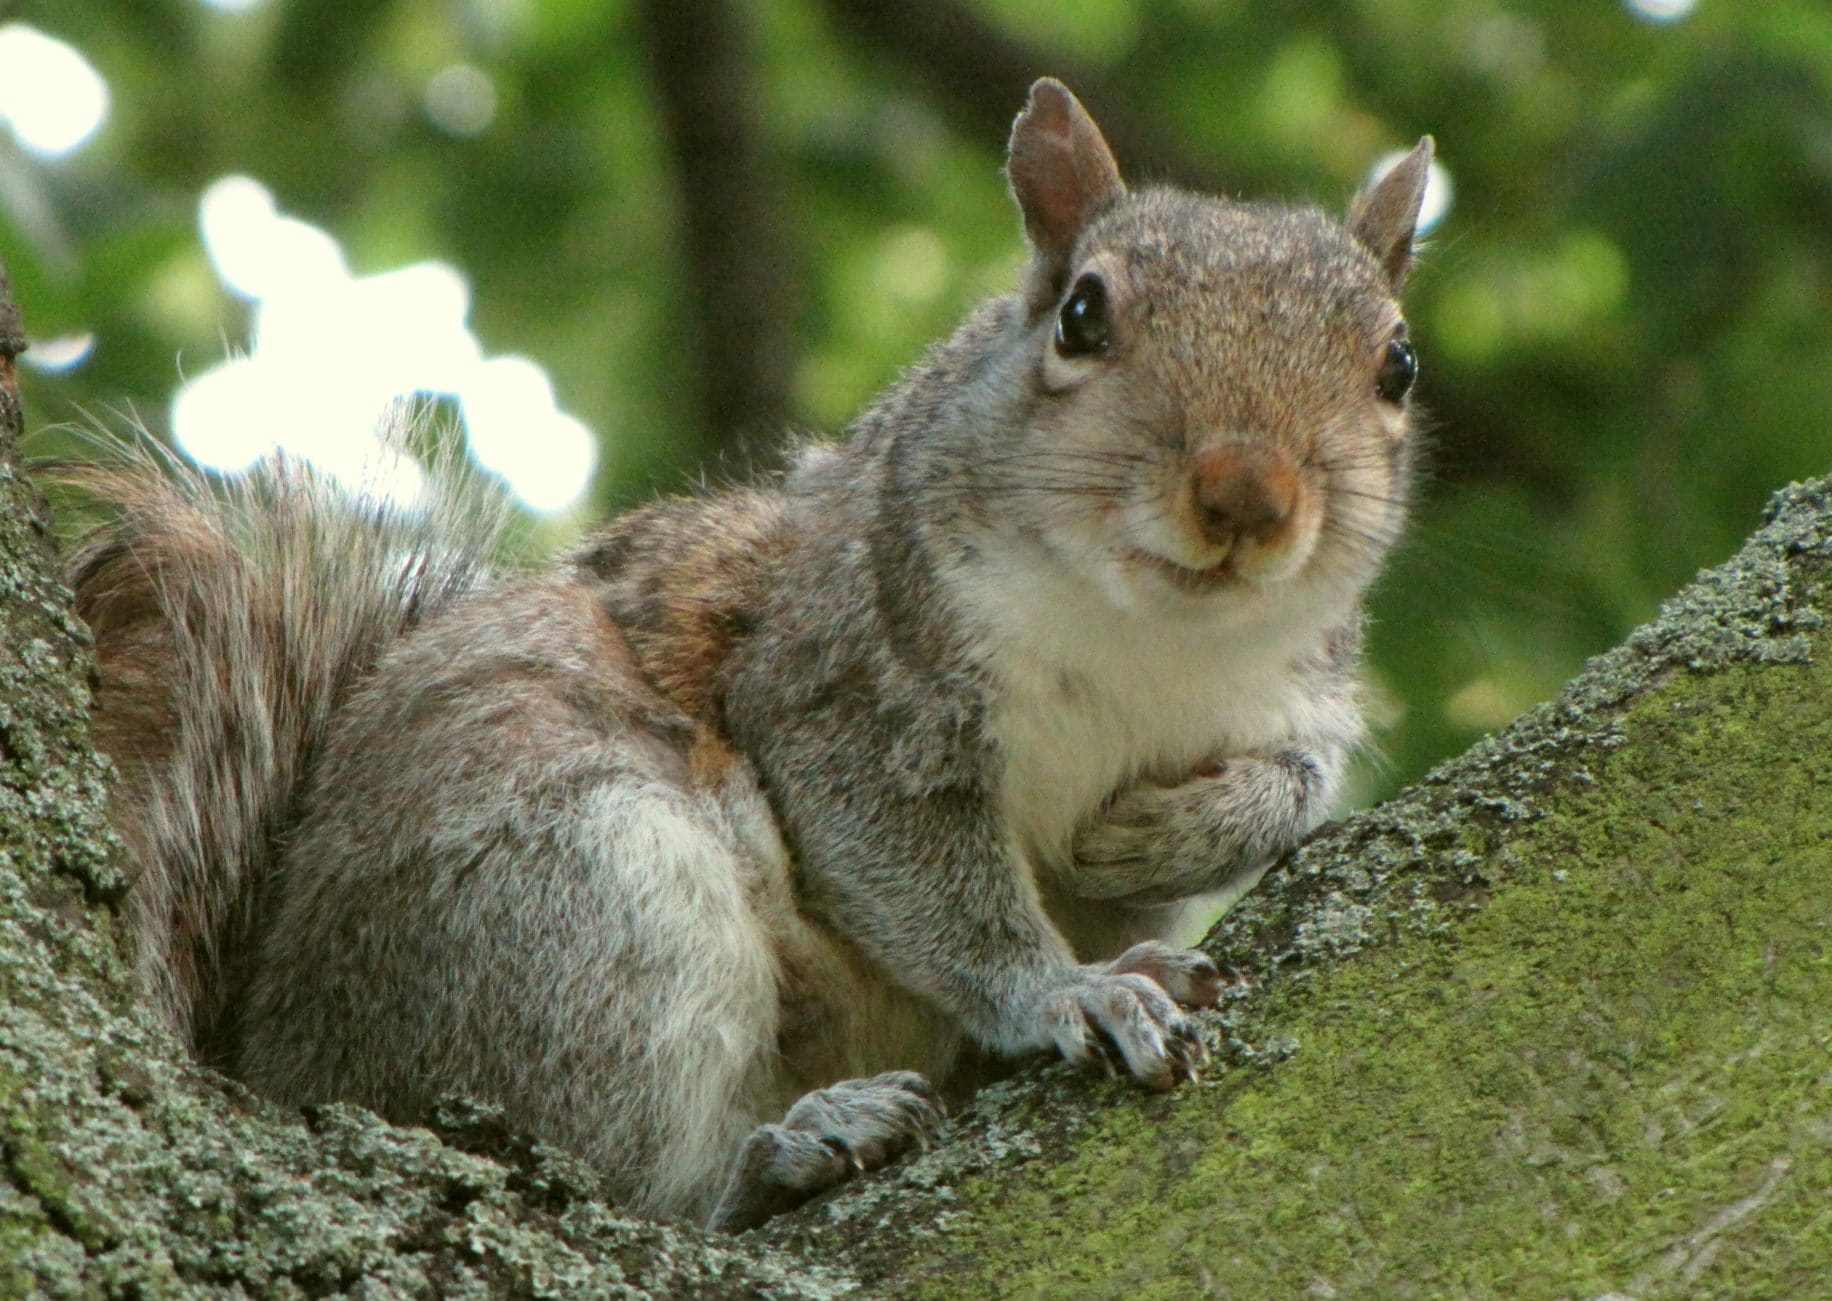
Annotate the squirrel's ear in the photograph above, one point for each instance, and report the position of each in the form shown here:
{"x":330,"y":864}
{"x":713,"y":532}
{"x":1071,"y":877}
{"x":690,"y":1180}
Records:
{"x":1061,"y":173}
{"x":1384,"y":216}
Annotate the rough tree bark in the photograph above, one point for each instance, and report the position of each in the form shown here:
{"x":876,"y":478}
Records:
{"x":1553,"y":1022}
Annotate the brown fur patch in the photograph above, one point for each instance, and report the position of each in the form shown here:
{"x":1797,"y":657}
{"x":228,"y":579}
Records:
{"x":680,"y":579}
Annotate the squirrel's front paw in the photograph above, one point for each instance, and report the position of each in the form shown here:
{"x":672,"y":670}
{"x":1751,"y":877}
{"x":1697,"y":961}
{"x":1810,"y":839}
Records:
{"x":1156,"y":844}
{"x":1188,"y":975}
{"x":1100,"y":1014}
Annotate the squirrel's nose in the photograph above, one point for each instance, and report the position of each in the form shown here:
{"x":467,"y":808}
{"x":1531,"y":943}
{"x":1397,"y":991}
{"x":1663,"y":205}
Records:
{"x":1243,"y":494}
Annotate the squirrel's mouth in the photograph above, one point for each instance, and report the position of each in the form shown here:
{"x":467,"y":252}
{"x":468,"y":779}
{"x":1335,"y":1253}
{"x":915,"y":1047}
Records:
{"x":1185,"y":579}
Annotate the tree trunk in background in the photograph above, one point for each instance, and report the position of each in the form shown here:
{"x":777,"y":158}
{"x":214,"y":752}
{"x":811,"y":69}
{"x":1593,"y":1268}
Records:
{"x":1552,"y":1022}
{"x":736,"y":246}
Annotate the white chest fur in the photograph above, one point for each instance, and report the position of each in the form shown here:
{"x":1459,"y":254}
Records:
{"x":1089,"y":697}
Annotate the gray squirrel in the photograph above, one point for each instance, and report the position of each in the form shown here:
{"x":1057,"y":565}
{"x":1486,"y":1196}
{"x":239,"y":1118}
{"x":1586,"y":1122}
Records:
{"x":712,"y":851}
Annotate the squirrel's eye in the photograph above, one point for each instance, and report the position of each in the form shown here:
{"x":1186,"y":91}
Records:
{"x":1081,"y":326}
{"x":1397,"y":372}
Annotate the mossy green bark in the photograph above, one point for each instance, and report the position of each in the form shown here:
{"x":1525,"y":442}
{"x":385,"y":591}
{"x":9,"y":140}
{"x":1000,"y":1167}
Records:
{"x":1615,"y":1077}
{"x":1556,"y":1023}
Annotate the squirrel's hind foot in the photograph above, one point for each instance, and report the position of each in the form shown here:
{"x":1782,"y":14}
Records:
{"x":828,"y":1136}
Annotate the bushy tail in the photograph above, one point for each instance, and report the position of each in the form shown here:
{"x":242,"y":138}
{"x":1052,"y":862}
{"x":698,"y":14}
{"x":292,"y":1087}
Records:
{"x":230,"y":621}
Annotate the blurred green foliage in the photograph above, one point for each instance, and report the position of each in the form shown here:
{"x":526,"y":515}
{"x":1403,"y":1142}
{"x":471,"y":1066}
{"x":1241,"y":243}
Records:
{"x":1624,"y":318}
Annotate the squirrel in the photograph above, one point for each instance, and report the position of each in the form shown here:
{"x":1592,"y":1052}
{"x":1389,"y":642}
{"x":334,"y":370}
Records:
{"x":716,"y":848}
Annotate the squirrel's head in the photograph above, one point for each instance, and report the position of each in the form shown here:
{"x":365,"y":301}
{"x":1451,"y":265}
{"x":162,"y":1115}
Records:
{"x":1219,"y":391}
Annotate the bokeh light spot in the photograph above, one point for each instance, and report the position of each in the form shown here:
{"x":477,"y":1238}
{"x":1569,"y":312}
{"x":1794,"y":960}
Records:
{"x":461,"y":100}
{"x":913,"y":263}
{"x":336,"y":355}
{"x":1661,"y":11}
{"x":49,"y":94}
{"x":66,"y":352}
